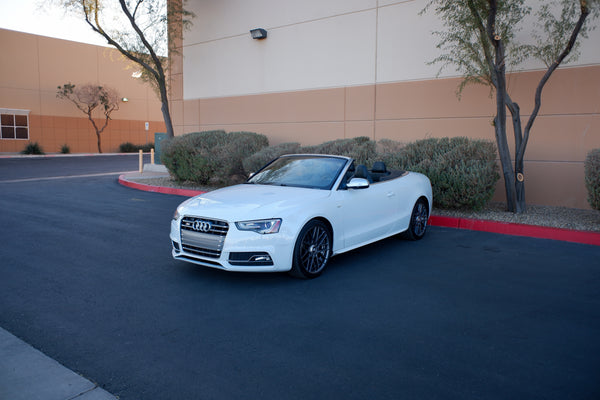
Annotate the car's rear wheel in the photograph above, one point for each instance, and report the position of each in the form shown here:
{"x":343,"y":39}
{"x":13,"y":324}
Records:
{"x":418,"y":221}
{"x":312,"y":250}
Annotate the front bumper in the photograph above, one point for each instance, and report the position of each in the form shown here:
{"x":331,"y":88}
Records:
{"x":241,"y":251}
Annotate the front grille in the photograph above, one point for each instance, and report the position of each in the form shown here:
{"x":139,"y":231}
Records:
{"x":203,"y":237}
{"x":217,"y":227}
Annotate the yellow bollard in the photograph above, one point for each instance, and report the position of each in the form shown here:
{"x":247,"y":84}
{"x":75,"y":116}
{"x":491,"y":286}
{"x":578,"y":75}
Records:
{"x":152,"y":156}
{"x":141,"y":161}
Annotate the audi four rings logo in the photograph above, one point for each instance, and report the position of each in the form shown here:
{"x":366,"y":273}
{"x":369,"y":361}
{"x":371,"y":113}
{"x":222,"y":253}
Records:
{"x":202,"y":226}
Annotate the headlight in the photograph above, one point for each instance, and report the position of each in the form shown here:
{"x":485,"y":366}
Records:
{"x":180,"y":207}
{"x":263,"y":226}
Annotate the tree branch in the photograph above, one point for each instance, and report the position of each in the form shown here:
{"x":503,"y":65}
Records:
{"x":484,"y":45}
{"x":159,"y":72}
{"x":520,"y":151}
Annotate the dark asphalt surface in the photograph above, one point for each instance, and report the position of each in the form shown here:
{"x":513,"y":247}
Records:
{"x":52,"y":167}
{"x":86,"y":276}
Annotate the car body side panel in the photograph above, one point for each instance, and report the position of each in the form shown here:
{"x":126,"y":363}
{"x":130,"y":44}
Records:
{"x":409,"y":189}
{"x":363,"y":214}
{"x":397,"y":198}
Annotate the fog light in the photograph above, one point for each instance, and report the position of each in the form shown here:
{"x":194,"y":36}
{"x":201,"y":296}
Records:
{"x":261,"y":258}
{"x":250,"y":258}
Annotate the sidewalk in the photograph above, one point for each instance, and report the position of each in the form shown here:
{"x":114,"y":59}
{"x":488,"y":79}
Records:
{"x":28,"y":374}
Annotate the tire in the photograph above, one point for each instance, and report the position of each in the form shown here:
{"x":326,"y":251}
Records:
{"x":312,"y":250}
{"x":418,"y":221}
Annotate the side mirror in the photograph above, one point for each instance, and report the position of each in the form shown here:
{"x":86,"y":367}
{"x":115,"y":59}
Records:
{"x":358,"y":183}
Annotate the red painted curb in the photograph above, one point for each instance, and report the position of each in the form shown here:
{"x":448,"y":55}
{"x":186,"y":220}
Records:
{"x":507,"y":228}
{"x":159,"y":189}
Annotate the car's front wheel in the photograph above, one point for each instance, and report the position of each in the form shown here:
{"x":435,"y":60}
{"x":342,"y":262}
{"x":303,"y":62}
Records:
{"x":312,"y":250}
{"x":418,"y":221}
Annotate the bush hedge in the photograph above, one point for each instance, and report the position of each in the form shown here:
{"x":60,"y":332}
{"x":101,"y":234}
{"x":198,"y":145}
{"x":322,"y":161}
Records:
{"x":33,"y":148}
{"x":463,"y":172}
{"x":592,"y":178}
{"x":214,"y":157}
{"x":259,"y":159}
{"x":129,"y":147}
{"x":361,"y":148}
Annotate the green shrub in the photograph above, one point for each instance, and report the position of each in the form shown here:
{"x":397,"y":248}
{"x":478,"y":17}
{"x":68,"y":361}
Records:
{"x":65,"y":149}
{"x":229,"y":156}
{"x":210,"y":157}
{"x":463,"y":172}
{"x":361,"y":148}
{"x":389,"y":151}
{"x":129,"y":147}
{"x":146,"y":148}
{"x":185,"y":158}
{"x":592,"y":178}
{"x":33,"y":148}
{"x":259,"y":159}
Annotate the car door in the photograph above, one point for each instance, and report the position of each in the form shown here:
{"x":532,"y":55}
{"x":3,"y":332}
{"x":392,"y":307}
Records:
{"x":367,"y":214}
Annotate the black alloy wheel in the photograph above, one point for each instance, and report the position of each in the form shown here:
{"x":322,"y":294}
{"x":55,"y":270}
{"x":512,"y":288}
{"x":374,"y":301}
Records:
{"x":418,"y":221}
{"x":312,"y":250}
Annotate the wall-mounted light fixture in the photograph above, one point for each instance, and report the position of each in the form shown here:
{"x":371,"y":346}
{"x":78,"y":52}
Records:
{"x":258,"y":33}
{"x":124,"y":99}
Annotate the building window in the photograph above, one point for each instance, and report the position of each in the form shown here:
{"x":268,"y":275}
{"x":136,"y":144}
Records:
{"x":14,"y":124}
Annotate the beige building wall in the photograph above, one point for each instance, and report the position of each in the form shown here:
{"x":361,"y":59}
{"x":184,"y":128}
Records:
{"x":341,"y":69}
{"x":32,"y":68}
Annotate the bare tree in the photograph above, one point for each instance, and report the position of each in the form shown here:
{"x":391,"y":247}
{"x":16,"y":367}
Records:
{"x":143,"y":31}
{"x":479,"y":42}
{"x":89,"y":98}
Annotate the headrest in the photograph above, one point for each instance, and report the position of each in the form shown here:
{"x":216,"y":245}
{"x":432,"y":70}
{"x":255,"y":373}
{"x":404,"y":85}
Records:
{"x":379,"y":167}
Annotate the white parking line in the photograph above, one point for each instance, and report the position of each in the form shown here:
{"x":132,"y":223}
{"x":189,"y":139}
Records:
{"x":50,"y":178}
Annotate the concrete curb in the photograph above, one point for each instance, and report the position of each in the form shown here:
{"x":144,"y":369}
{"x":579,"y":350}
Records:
{"x":505,"y":228}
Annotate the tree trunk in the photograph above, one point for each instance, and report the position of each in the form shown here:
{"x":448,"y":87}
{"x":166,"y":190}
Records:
{"x":500,"y":120}
{"x":99,"y":147}
{"x":519,"y":175}
{"x":165,"y":108}
{"x":521,"y":206}
{"x":505,"y":161}
{"x":89,"y":113}
{"x":167,"y":117}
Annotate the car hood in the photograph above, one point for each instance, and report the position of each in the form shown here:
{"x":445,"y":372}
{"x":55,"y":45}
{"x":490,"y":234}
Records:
{"x":250,"y":201}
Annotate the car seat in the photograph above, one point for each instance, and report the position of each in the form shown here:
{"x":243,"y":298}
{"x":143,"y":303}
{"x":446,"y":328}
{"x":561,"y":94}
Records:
{"x":363,"y":172}
{"x":379,"y":170}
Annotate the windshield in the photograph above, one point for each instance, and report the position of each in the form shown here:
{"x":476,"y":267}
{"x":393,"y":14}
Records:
{"x":301,"y":171}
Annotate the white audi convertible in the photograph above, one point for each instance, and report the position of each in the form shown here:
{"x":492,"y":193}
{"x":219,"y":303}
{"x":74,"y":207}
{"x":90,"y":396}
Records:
{"x":297,"y":212}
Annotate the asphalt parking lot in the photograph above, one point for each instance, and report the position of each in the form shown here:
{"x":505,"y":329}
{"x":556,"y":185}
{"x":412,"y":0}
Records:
{"x":87,"y":278}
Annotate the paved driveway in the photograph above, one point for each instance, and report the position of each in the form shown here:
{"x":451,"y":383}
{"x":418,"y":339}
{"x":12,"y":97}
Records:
{"x":86,"y":277}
